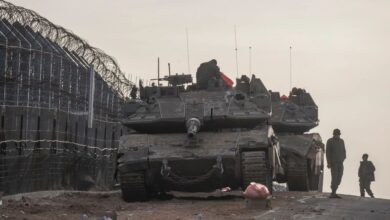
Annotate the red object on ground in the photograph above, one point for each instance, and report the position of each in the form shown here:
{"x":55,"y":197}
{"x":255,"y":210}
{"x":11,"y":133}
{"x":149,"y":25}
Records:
{"x":227,"y":80}
{"x":256,"y":191}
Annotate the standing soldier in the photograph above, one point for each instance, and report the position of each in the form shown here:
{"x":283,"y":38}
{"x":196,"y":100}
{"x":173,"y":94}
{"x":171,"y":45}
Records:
{"x":335,"y":156}
{"x":366,"y":176}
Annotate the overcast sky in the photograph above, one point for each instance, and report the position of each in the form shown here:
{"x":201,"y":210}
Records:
{"x":340,"y":55}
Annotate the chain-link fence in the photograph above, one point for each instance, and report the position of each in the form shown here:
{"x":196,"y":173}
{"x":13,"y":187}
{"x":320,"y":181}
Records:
{"x":48,"y":90}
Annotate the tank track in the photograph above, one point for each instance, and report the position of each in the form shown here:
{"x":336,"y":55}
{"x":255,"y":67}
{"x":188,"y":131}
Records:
{"x":297,"y":175}
{"x":133,"y":186}
{"x":254,"y":169}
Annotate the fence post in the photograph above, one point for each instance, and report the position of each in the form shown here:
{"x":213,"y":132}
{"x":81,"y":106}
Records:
{"x":91,"y":96}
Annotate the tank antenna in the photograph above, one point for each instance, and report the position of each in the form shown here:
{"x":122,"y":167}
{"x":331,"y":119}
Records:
{"x":188,"y":52}
{"x":250,"y":60}
{"x":169,"y":69}
{"x":169,"y":72}
{"x":158,"y":71}
{"x":235,"y":41}
{"x":290,"y":69}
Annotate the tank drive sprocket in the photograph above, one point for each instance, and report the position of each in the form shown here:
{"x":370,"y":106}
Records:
{"x":133,"y":186}
{"x":254,"y":168}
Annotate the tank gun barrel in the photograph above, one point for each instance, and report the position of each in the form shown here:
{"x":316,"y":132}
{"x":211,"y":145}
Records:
{"x":193,"y":127}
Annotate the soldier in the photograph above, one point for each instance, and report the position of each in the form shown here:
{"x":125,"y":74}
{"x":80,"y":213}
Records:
{"x":133,"y":92}
{"x":335,"y":156}
{"x":366,"y":176}
{"x":206,"y":71}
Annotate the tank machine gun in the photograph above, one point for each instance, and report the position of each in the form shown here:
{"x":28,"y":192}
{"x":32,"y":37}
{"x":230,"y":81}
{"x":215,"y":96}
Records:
{"x":176,"y":80}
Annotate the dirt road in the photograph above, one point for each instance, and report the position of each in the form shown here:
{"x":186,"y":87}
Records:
{"x":286,"y":205}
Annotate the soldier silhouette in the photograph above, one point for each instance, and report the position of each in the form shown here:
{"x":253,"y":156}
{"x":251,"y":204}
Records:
{"x":366,"y":176}
{"x":335,"y":156}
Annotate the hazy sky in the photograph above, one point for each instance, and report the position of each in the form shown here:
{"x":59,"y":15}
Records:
{"x":340,"y":55}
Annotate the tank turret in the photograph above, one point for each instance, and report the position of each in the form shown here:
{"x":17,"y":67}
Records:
{"x":297,"y":113}
{"x":165,"y":109}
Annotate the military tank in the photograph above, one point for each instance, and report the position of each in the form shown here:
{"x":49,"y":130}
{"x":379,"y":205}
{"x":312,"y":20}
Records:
{"x":197,"y":140}
{"x":301,"y":152}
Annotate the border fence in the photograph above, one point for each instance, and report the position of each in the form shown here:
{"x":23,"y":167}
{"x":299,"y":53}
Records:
{"x":60,"y":102}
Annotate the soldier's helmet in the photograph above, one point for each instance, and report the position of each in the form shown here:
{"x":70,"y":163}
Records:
{"x":336,"y":131}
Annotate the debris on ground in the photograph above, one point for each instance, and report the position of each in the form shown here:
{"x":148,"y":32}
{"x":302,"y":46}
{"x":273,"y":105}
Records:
{"x":256,"y":191}
{"x":226,"y":189}
{"x":279,"y":187}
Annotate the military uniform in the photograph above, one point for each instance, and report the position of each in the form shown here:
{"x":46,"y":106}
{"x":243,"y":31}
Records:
{"x":335,"y":156}
{"x":206,"y":71}
{"x":366,"y":176}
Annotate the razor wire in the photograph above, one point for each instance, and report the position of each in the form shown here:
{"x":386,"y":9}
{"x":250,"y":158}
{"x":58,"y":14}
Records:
{"x":105,"y":65}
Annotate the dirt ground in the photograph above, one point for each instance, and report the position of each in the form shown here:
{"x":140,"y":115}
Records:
{"x":94,"y":205}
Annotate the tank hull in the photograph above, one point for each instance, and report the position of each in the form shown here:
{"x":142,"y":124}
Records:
{"x":210,"y":161}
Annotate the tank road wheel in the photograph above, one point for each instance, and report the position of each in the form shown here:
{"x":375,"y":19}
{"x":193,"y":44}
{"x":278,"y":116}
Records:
{"x":297,"y":174}
{"x":133,"y":187}
{"x":254,"y":169}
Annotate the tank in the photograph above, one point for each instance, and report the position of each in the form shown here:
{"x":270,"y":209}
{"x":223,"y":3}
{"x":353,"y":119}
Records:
{"x":197,"y":140}
{"x":302,"y":153}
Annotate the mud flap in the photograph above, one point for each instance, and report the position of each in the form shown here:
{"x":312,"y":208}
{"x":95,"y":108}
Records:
{"x":278,"y":165}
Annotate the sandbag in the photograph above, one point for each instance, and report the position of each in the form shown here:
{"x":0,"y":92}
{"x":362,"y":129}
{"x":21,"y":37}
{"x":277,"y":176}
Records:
{"x":256,"y":191}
